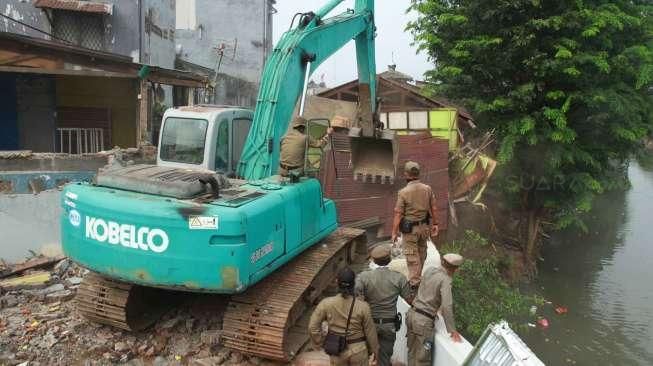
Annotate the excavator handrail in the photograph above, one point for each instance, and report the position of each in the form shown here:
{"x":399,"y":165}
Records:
{"x":309,"y":43}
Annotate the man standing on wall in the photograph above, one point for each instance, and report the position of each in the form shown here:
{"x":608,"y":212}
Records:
{"x":434,"y":294}
{"x":415,"y":216}
{"x":380,"y":288}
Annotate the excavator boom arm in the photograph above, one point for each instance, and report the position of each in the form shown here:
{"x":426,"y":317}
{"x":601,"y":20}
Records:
{"x":310,"y":43}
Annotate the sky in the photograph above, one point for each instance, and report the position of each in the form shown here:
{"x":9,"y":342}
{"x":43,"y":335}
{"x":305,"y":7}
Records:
{"x":391,"y":41}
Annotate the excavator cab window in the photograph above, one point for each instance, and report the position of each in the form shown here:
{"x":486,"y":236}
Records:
{"x":315,"y":128}
{"x":183,"y":139}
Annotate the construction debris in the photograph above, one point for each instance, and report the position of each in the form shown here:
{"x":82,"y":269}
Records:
{"x":32,"y":280}
{"x":36,"y":262}
{"x":39,"y":325}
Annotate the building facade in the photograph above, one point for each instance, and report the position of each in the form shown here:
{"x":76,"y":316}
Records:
{"x":142,"y":29}
{"x":232,"y":38}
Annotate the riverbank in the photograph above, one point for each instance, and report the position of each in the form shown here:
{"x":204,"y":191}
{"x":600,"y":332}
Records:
{"x":486,"y":288}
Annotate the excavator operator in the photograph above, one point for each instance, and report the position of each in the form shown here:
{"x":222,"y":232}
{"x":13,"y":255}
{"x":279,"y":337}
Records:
{"x":293,"y":148}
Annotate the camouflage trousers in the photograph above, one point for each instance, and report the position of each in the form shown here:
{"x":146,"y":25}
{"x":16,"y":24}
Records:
{"x":414,"y":248}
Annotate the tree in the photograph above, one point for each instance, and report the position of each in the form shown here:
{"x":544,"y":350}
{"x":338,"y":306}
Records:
{"x":566,"y":85}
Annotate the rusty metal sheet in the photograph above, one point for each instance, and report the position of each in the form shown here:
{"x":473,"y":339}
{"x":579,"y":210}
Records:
{"x":357,"y":200}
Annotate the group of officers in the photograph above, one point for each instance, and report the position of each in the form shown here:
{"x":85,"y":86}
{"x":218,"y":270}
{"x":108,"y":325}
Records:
{"x":358,"y":326}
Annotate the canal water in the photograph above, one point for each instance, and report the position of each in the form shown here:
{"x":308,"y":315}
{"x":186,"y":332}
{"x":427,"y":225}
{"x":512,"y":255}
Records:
{"x":605,"y":279}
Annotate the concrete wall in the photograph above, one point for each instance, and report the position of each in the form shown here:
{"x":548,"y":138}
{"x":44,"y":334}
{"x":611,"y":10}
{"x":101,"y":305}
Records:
{"x":29,"y":222}
{"x":30,"y":202}
{"x":122,"y":29}
{"x":245,"y":29}
{"x":29,"y":198}
{"x":158,"y":32}
{"x":141,"y":29}
{"x":26,"y":13}
{"x":231,"y":90}
{"x":117,"y":94}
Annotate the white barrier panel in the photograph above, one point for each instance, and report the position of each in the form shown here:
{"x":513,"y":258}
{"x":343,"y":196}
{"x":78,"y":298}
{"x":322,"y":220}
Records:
{"x":447,"y":352}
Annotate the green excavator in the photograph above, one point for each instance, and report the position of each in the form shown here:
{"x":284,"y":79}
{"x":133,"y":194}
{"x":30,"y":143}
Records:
{"x":212,"y":217}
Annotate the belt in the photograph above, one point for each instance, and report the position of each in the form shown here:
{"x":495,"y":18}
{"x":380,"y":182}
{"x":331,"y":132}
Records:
{"x":288,"y":167}
{"x":425,"y":313}
{"x":356,"y":340}
{"x":381,"y":321}
{"x":425,"y":221}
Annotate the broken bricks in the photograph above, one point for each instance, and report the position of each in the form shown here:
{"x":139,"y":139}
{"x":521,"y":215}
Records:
{"x":40,"y":325}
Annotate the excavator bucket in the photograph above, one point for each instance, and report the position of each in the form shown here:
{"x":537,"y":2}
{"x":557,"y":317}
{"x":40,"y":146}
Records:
{"x":373,"y":159}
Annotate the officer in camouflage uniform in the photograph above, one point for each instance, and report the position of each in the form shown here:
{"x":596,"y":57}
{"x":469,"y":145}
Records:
{"x":381,"y":287}
{"x":415,"y":210}
{"x":434,"y":294}
{"x":362,"y":342}
{"x":293,"y":147}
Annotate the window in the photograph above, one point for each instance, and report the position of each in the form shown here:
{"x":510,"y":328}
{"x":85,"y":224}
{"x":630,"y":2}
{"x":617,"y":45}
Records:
{"x":240,"y":131}
{"x":398,"y":120}
{"x":80,"y":29}
{"x":222,"y":147}
{"x":418,"y":120}
{"x":183,"y":140}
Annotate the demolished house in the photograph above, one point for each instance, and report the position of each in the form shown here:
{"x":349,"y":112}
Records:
{"x":430,"y":131}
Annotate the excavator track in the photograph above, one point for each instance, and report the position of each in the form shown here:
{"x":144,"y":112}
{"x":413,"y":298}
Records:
{"x":122,"y":305}
{"x":267,"y":320}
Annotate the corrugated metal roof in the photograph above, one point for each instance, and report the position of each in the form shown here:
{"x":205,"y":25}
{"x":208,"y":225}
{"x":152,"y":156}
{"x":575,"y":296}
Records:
{"x":500,"y":346}
{"x":75,"y":5}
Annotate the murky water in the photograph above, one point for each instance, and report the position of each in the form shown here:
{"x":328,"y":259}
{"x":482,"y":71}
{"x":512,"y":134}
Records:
{"x":605,"y":279}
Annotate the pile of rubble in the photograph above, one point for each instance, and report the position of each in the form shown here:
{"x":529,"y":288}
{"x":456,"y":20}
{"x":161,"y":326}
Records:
{"x":40,"y":326}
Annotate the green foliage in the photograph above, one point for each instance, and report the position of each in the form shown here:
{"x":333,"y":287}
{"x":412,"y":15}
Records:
{"x":481,"y":295}
{"x":566,"y":85}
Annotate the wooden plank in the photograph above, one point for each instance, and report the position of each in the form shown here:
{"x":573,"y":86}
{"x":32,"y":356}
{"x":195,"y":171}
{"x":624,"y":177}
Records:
{"x":17,"y":59}
{"x":174,"y":81}
{"x":36,"y":278}
{"x":44,"y":71}
{"x":30,"y":264}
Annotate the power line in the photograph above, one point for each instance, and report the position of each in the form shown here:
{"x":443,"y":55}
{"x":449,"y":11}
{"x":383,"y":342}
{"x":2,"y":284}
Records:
{"x":35,"y":29}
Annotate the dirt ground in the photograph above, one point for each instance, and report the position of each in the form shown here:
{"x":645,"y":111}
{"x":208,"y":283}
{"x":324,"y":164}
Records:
{"x":39,"y":325}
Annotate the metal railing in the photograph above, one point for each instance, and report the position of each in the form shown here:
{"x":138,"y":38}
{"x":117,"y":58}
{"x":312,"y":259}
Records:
{"x":80,"y":140}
